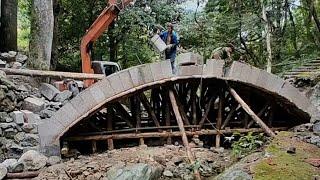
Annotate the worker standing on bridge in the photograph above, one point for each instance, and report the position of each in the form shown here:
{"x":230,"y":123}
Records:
{"x":224,"y":53}
{"x":171,"y":39}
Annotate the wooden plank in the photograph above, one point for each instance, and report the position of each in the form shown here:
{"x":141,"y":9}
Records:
{"x":251,"y":113}
{"x":167,"y":134}
{"x":260,"y":113}
{"x":181,"y":110}
{"x":166,"y":111}
{"x":193,"y":98}
{"x":23,"y":175}
{"x":183,"y":133}
{"x":136,"y":113}
{"x":52,"y":74}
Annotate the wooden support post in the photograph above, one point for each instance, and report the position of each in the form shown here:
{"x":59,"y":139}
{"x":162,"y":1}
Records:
{"x":94,"y":146}
{"x":136,"y":113}
{"x":23,"y":175}
{"x":207,"y":110}
{"x":193,"y":97}
{"x":220,"y":116}
{"x":180,"y":106}
{"x":232,"y":111}
{"x":123,"y":113}
{"x":182,"y":130}
{"x":110,"y":115}
{"x":149,"y":109}
{"x":260,"y":113}
{"x":166,"y":111}
{"x":251,"y":113}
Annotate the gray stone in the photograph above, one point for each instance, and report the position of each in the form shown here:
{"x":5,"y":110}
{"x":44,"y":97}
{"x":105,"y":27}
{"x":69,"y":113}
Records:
{"x":13,"y":166}
{"x":291,"y":150}
{"x":52,"y":160}
{"x":234,"y":175}
{"x":33,"y":104}
{"x":2,"y":64}
{"x":63,"y":96}
{"x":47,"y":113}
{"x":3,"y":171}
{"x":4,"y":117}
{"x":7,"y":125}
{"x":48,"y":91}
{"x":16,"y":65}
{"x":189,"y":58}
{"x":167,"y":173}
{"x":13,"y":149}
{"x":9,"y":133}
{"x":21,"y":58}
{"x":2,"y":74}
{"x":316,"y":127}
{"x":133,"y":172}
{"x":31,"y":140}
{"x":30,"y":128}
{"x":19,"y":137}
{"x":18,"y":117}
{"x":31,"y":117}
{"x":33,"y":160}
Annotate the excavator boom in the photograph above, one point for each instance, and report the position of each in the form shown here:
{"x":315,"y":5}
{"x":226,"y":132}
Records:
{"x":106,"y":17}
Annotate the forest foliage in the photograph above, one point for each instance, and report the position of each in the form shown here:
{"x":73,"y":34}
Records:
{"x":294,"y":28}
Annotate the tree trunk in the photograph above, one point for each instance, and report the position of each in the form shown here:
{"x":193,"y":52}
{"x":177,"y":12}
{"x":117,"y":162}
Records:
{"x":314,"y":14}
{"x":42,"y":23}
{"x":268,"y":36}
{"x":8,"y":25}
{"x":55,"y":43}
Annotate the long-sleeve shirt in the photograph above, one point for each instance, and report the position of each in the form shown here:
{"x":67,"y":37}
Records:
{"x":173,"y":39}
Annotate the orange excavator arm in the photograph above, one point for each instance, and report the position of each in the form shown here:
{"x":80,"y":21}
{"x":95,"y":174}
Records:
{"x":95,"y":31}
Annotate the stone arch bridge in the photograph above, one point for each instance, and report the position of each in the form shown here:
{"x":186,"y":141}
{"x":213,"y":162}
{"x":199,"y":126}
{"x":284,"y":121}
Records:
{"x":134,"y":104}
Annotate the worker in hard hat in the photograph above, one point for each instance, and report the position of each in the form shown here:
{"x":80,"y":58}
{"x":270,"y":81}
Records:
{"x":171,"y":39}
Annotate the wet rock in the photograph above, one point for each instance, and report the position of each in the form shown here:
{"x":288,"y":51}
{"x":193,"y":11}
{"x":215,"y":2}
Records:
{"x":53,"y":160}
{"x":33,"y":104}
{"x":63,"y":96}
{"x":167,"y":173}
{"x":17,"y":117}
{"x":3,"y":171}
{"x":33,"y":160}
{"x":48,"y":91}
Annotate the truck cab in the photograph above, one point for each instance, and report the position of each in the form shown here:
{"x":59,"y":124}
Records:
{"x":105,"y":67}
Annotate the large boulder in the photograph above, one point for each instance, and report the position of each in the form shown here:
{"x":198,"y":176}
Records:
{"x":134,"y":172}
{"x":48,"y":91}
{"x":33,"y":160}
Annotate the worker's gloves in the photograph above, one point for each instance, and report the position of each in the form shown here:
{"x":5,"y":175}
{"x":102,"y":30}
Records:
{"x":169,"y":46}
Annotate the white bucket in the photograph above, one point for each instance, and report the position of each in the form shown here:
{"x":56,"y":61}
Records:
{"x":158,"y":44}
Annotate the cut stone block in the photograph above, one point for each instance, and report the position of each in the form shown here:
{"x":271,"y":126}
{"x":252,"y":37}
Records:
{"x":33,"y":104}
{"x":18,"y":117}
{"x":48,"y":91}
{"x":126,"y":80}
{"x":141,"y":75}
{"x":189,"y":58}
{"x":214,"y":68}
{"x":63,"y":96}
{"x":30,"y":117}
{"x":191,"y":70}
{"x":158,"y":43}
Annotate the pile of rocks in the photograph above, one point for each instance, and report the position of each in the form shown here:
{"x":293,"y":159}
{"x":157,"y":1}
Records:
{"x":22,"y":108}
{"x":12,"y":59}
{"x":309,"y":133}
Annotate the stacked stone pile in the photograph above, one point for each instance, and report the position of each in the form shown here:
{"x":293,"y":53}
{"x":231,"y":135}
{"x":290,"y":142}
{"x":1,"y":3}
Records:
{"x":22,"y":108}
{"x":12,"y":59}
